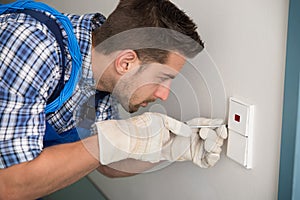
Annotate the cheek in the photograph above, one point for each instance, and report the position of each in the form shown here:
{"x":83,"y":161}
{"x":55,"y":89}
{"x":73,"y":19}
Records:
{"x":146,"y":91}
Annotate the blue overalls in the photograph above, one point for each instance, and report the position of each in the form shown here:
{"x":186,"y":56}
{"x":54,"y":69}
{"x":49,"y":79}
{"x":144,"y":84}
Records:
{"x":82,"y":130}
{"x":51,"y":137}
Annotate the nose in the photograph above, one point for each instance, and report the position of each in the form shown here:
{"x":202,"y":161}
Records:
{"x":163,"y":91}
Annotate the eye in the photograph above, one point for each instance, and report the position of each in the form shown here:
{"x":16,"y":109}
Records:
{"x":163,"y":79}
{"x":166,"y":77}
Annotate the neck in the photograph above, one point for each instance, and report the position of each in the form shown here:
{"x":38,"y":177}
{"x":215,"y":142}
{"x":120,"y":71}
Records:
{"x":105,"y":84}
{"x":102,"y":73}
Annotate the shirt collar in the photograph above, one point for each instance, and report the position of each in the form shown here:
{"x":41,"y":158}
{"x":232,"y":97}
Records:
{"x":83,"y":26}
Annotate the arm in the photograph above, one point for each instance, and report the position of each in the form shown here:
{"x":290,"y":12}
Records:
{"x":57,"y":167}
{"x":125,"y":168}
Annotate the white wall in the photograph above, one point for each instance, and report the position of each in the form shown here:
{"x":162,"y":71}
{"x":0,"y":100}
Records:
{"x":81,"y":7}
{"x":246,"y":40}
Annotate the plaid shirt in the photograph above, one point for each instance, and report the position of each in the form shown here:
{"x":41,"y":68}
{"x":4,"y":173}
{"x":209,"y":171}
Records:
{"x":29,"y":72}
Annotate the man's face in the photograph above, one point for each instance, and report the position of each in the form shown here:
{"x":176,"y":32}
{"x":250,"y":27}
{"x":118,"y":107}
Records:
{"x":147,"y":83}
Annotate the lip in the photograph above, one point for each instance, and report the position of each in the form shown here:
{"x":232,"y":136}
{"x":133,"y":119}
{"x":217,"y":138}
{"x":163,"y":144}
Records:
{"x":144,"y":104}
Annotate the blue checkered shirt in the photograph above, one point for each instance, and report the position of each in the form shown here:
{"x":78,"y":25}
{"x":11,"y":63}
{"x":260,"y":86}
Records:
{"x":29,"y":73}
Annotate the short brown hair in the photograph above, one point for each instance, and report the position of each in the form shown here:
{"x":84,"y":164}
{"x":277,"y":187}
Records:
{"x":136,"y":14}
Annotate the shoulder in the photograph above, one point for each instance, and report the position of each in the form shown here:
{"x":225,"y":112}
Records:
{"x":29,"y":53}
{"x":88,"y":22}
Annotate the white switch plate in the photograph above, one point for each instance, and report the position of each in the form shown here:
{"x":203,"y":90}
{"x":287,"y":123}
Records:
{"x":240,"y":133}
{"x":240,"y":116}
{"x":239,"y":149}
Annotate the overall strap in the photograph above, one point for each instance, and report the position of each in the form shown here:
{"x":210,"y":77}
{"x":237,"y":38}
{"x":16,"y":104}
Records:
{"x":88,"y":111}
{"x":83,"y":129}
{"x":54,"y":28}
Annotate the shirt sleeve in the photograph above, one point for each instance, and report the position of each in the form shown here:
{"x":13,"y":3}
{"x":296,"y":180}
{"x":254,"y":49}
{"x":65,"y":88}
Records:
{"x":28,"y":70}
{"x":107,"y":109}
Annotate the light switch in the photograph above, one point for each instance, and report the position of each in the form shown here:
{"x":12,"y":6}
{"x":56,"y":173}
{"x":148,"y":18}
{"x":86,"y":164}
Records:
{"x":240,"y":116}
{"x":240,"y":132}
{"x":238,"y":149}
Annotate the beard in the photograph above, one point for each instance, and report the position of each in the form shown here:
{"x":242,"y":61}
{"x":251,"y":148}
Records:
{"x":126,"y":101}
{"x":129,"y":106}
{"x":128,"y":95}
{"x":135,"y":107}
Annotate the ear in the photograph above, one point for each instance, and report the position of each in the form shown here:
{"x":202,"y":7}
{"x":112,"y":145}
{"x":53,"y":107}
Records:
{"x":125,"y":61}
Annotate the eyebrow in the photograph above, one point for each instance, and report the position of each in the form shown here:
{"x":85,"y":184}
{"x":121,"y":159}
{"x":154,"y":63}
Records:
{"x":171,"y":76}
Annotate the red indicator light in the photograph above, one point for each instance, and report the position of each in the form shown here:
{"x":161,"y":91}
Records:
{"x":237,"y":118}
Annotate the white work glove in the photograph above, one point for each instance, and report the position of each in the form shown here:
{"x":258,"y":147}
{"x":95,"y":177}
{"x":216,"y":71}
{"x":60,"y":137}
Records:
{"x":205,"y":143}
{"x":154,"y":137}
{"x":141,"y":137}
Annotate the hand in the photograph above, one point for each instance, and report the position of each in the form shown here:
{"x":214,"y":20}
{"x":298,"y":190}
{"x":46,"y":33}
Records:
{"x":205,"y":143}
{"x":142,"y":137}
{"x":154,"y":137}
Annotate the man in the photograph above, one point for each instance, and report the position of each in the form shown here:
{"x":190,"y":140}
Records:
{"x":30,"y":72}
